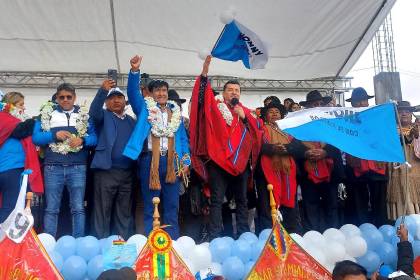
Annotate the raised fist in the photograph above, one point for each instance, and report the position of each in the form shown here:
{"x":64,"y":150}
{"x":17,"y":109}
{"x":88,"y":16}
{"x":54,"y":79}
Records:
{"x":135,"y":62}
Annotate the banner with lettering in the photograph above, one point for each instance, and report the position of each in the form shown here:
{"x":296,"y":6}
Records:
{"x":26,"y":260}
{"x":237,"y":42}
{"x":282,"y":258}
{"x":367,"y":133}
{"x":159,"y":260}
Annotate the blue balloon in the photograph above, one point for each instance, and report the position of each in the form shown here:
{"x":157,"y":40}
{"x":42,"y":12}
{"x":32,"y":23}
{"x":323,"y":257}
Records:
{"x":370,"y":261}
{"x":373,"y":238}
{"x":256,"y":250}
{"x":264,"y":234}
{"x":385,"y":270}
{"x":66,"y":246}
{"x":57,"y":259}
{"x":249,"y":237}
{"x":88,"y":247}
{"x":395,"y":240}
{"x":416,"y":248}
{"x":233,"y":268}
{"x":248,"y":266}
{"x":387,"y":253}
{"x":367,"y":226}
{"x":220,"y":250}
{"x":410,"y":224}
{"x":229,"y":240}
{"x":74,"y":268}
{"x":387,"y":232}
{"x":95,"y":267}
{"x":242,"y":250}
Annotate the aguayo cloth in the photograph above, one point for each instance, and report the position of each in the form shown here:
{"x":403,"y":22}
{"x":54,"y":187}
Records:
{"x":212,"y":138}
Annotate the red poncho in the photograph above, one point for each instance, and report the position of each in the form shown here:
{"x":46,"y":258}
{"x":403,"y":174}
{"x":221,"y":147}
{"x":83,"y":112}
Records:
{"x":229,"y":146}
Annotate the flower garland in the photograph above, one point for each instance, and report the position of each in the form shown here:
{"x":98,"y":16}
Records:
{"x":14,"y":111}
{"x":223,"y":108}
{"x":158,"y":127}
{"x":81,"y":128}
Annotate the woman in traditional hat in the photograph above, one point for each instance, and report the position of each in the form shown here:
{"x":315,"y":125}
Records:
{"x":400,"y":194}
{"x":277,"y":167}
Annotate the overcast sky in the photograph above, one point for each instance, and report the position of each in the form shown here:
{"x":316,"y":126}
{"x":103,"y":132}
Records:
{"x":406,"y":21}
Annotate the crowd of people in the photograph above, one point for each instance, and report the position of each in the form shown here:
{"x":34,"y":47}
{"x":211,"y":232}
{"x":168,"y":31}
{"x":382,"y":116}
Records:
{"x":210,"y":169}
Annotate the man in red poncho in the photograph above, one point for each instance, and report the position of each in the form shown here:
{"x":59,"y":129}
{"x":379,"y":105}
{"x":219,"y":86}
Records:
{"x":225,"y":142}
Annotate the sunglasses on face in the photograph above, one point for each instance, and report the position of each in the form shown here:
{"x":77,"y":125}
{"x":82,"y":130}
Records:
{"x":63,"y":97}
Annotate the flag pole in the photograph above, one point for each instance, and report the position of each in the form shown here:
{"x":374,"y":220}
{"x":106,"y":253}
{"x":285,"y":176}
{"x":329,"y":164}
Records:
{"x":405,"y":164}
{"x":156,"y":216}
{"x":274,"y":215}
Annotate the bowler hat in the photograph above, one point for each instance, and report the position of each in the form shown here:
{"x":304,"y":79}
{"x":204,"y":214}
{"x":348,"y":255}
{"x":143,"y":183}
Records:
{"x":315,"y":96}
{"x":405,"y":105}
{"x":174,"y":96}
{"x":273,"y":104}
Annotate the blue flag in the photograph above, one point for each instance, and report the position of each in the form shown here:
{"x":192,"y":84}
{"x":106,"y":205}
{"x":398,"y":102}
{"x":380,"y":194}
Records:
{"x":367,"y":133}
{"x":239,"y":43}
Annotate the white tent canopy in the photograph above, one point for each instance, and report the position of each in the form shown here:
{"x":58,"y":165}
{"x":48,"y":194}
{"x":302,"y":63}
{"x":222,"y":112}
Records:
{"x":307,"y":38}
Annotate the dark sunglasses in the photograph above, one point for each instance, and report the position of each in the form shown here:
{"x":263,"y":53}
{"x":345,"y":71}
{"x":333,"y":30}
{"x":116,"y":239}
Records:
{"x":63,"y":97}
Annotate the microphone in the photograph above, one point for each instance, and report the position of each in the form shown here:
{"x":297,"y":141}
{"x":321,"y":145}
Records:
{"x":234,"y":101}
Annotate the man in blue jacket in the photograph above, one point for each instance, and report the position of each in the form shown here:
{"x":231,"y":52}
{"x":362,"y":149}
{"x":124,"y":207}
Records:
{"x":113,"y":172}
{"x":65,"y":131}
{"x":160,"y":143}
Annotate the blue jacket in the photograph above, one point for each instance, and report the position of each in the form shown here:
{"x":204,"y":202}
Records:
{"x":43,"y":138}
{"x":143,"y":127}
{"x":106,"y":129}
{"x":12,"y":155}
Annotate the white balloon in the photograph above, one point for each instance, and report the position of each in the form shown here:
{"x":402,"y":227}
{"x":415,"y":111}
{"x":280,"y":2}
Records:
{"x":216,"y":268}
{"x":202,"y":257}
{"x":190,"y":265}
{"x":298,"y":239}
{"x":335,"y":252}
{"x":317,"y":254}
{"x":138,"y":239}
{"x":349,"y":258}
{"x":350,"y":230}
{"x":205,"y":244}
{"x":314,"y":238}
{"x":333,"y":234}
{"x":227,"y":16}
{"x":48,"y":241}
{"x":203,"y":54}
{"x":187,"y":243}
{"x":179,"y":249}
{"x":356,"y":246}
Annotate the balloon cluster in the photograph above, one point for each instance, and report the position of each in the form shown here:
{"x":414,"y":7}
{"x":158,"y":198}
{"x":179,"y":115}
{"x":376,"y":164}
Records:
{"x":367,"y":245}
{"x":81,"y":258}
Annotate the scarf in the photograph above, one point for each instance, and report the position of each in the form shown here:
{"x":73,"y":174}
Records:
{"x":154,"y":182}
{"x":276,"y":136}
{"x":318,"y":171}
{"x":7,"y":124}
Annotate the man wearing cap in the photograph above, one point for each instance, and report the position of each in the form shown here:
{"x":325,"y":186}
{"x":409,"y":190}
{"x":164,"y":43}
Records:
{"x":404,"y":198}
{"x":160,"y":144}
{"x":367,"y":179}
{"x":113,"y":172}
{"x":322,"y":171}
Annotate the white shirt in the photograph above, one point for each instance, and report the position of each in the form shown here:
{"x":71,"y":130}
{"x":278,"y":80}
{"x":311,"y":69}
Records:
{"x":163,"y":140}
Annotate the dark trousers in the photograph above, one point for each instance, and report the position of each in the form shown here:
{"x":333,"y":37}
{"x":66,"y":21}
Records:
{"x":367,"y":202}
{"x":291,"y":216}
{"x":9,"y":189}
{"x":220,"y":181}
{"x":113,"y":200}
{"x":320,"y":205}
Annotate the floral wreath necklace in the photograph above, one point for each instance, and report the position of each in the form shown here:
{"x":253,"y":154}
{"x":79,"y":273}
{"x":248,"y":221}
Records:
{"x":224,"y":110}
{"x":14,"y":111}
{"x":159,"y":129}
{"x":81,"y":128}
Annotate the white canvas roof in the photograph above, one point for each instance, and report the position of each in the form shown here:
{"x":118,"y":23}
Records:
{"x":307,"y":38}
